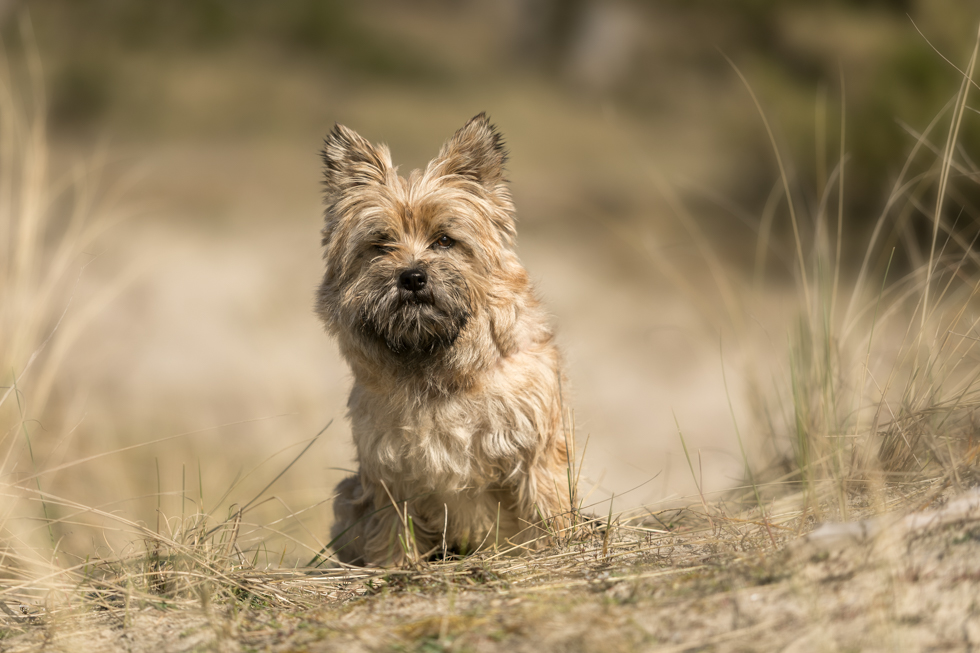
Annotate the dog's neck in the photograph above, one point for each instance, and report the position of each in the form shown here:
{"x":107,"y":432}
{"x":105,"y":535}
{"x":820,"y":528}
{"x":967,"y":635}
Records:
{"x":445,"y":371}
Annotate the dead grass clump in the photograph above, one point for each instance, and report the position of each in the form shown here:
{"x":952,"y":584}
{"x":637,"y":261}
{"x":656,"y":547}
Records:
{"x":47,"y":228}
{"x":879,"y":389}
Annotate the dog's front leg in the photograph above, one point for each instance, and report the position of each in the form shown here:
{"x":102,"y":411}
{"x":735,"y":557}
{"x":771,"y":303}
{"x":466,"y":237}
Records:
{"x":372,"y":528}
{"x":543,"y":499}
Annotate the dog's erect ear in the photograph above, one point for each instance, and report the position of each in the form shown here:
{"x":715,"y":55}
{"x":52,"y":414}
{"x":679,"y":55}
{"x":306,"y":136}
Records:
{"x":475,"y":152}
{"x":349,"y":161}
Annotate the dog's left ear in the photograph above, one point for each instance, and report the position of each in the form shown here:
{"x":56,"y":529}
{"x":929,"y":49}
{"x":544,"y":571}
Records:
{"x":475,"y":152}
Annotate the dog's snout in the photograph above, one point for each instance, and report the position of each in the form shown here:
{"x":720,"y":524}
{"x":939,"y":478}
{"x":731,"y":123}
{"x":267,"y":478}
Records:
{"x":413,"y":280}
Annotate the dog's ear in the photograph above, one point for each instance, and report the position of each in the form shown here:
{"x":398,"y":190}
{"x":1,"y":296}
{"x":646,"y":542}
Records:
{"x":350,"y":161}
{"x":476,"y":152}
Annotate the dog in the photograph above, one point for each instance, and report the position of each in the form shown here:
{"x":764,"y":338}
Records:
{"x":456,"y":408}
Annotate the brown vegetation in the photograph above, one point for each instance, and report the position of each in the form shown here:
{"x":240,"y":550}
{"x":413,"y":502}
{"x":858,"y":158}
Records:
{"x":848,"y":385}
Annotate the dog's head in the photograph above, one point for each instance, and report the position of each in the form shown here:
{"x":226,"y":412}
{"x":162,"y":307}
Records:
{"x":410,"y":262}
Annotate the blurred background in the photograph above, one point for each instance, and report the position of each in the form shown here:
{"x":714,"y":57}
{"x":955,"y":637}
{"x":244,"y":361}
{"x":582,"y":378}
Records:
{"x":640,"y":167}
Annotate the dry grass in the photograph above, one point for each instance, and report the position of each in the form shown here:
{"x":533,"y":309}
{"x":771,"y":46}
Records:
{"x":671,"y":579}
{"x":872,"y":412}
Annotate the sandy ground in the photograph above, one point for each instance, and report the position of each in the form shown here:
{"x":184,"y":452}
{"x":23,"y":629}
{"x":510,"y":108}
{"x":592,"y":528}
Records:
{"x":910,"y":587}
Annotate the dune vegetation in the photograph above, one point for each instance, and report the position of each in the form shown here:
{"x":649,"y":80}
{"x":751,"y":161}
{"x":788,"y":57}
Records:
{"x":844,"y":337}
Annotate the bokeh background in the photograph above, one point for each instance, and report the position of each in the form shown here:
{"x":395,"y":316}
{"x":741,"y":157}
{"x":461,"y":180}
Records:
{"x":195,"y":126}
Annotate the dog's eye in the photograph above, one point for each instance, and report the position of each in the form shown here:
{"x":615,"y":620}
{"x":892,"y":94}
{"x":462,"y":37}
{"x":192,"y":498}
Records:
{"x":382,"y":242}
{"x":444,"y":241}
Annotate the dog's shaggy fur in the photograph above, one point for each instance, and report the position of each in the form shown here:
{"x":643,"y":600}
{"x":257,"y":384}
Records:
{"x":456,"y":405}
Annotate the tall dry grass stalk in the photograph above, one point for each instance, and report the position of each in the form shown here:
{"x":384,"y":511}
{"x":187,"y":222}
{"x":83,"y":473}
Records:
{"x":880,"y":389}
{"x":879,"y":385}
{"x":49,"y":232}
{"x":48,"y":228}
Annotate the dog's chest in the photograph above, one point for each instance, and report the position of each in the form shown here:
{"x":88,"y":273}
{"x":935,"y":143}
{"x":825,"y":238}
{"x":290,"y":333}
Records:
{"x":447,"y":444}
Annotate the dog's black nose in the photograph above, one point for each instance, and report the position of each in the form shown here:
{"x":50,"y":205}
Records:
{"x":413,"y":280}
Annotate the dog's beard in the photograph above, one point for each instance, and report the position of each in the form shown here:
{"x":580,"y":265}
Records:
{"x":415,"y":324}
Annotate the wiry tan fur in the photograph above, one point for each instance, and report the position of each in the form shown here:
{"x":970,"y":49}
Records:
{"x":456,"y":405}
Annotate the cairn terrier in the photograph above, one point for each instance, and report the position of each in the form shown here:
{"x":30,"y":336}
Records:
{"x":456,"y":408}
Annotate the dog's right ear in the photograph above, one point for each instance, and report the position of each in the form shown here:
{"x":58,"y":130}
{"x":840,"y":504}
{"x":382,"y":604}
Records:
{"x":350,"y":161}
